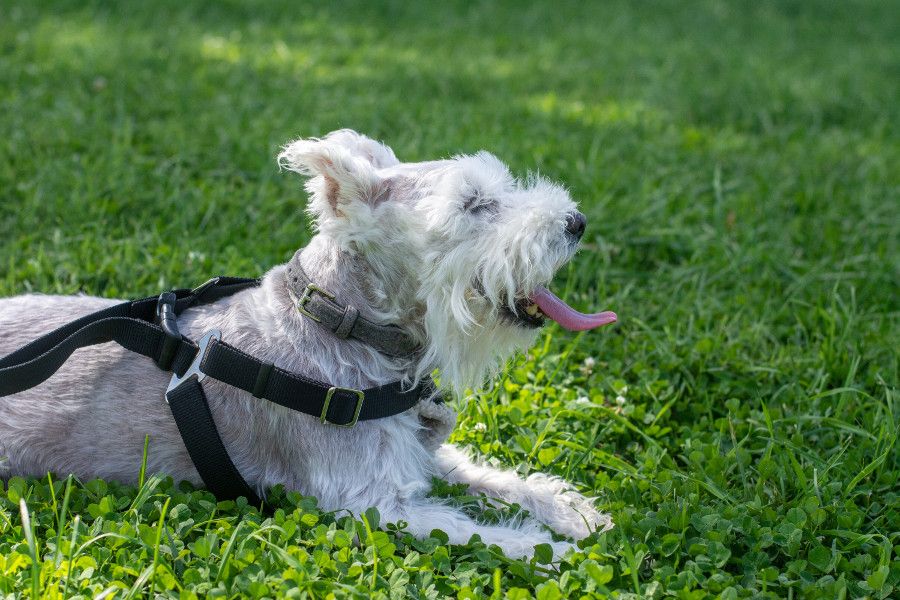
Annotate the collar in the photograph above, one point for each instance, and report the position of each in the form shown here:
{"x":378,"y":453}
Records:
{"x":343,"y":320}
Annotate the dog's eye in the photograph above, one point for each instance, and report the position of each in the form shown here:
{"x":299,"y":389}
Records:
{"x":478,"y":205}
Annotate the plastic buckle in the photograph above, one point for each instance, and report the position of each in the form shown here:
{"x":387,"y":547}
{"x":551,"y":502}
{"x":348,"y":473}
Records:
{"x":167,"y":321}
{"x":194,"y":369}
{"x":360,"y":396}
{"x":305,"y":298}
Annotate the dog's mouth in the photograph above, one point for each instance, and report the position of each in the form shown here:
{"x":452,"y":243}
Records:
{"x":526,"y":314}
{"x":532,"y":311}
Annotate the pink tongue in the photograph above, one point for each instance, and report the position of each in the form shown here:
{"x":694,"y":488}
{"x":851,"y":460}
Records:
{"x":567,"y":316}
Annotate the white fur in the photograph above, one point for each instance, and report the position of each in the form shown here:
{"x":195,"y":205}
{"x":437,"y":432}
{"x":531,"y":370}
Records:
{"x":438,"y":248}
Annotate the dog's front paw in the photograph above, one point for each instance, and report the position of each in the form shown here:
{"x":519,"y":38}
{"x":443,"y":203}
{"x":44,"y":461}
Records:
{"x":564,"y":510}
{"x":523,"y":544}
{"x":577,"y":516}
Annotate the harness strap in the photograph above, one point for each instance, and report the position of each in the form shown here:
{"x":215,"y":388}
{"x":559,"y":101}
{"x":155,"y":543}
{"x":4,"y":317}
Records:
{"x":133,"y":325}
{"x":331,"y":404}
{"x":29,"y":366}
{"x":201,"y":438}
{"x":129,"y":324}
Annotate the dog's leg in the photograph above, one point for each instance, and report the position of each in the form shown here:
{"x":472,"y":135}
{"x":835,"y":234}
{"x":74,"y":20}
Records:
{"x":423,"y":515}
{"x":548,"y":499}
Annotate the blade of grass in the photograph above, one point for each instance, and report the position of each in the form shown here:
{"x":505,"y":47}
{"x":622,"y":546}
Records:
{"x":32,"y":548}
{"x":143,"y":472}
{"x":156,"y":544}
{"x":61,"y":520}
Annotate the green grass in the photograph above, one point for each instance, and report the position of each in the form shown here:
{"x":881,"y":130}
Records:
{"x":738,"y":163}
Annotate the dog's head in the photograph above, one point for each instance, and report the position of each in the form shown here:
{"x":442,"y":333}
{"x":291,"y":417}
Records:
{"x":460,"y":248}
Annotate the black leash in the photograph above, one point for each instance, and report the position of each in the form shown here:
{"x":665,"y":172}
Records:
{"x":149,"y":327}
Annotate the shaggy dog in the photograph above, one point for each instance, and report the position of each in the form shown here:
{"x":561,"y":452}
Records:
{"x":455,"y":252}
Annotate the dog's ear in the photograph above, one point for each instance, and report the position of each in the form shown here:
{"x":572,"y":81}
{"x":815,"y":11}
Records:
{"x":339,"y":175}
{"x":377,"y":153}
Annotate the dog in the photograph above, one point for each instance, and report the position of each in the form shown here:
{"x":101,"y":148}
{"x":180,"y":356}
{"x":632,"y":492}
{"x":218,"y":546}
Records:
{"x":455,"y":252}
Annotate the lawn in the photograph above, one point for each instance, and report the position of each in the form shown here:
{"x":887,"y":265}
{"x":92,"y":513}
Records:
{"x":738,"y":163}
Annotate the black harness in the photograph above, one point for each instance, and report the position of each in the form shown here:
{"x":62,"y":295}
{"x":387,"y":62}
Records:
{"x":149,"y":327}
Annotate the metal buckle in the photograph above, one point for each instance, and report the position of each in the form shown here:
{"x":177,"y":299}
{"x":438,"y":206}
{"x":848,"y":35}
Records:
{"x":304,"y":299}
{"x":194,"y":369}
{"x":360,"y":396}
{"x":201,"y":289}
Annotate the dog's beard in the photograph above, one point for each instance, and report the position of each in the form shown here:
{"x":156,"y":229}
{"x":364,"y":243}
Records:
{"x":466,"y":356}
{"x":474,"y":344}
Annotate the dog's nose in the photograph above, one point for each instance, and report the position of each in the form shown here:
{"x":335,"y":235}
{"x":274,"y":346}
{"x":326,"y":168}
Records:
{"x":575,"y":224}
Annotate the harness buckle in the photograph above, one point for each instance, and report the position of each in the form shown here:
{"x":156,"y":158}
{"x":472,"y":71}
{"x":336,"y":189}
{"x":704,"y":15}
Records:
{"x":360,"y":396}
{"x":194,"y":369}
{"x":167,"y":320}
{"x":305,"y":298}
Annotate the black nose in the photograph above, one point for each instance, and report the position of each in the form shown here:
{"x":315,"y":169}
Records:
{"x":575,"y":224}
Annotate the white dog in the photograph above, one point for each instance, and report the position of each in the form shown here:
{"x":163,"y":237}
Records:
{"x":455,"y":252}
